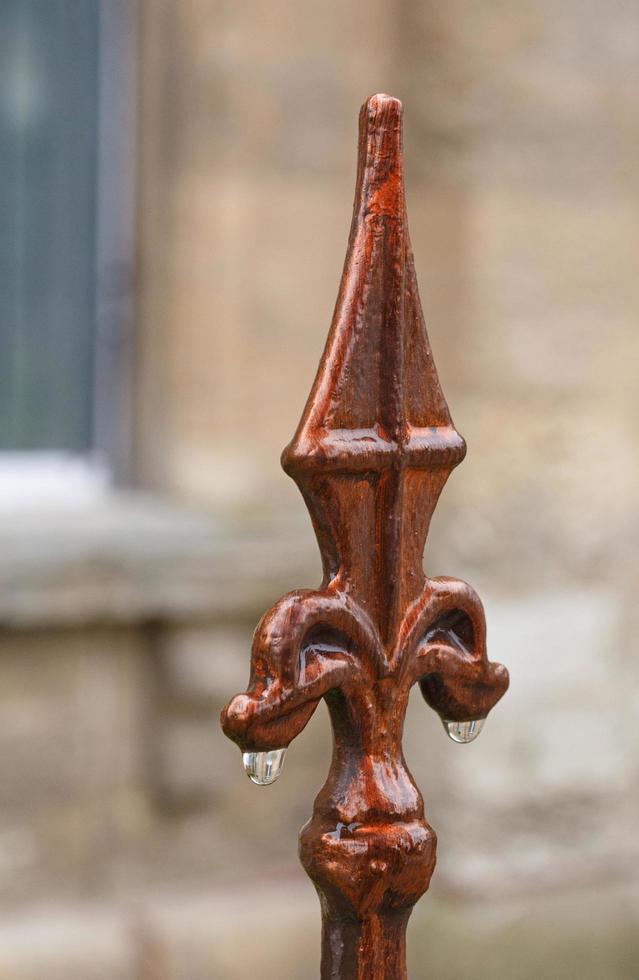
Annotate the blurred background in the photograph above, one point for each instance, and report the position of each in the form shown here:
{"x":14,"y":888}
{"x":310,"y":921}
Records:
{"x":176,"y":180}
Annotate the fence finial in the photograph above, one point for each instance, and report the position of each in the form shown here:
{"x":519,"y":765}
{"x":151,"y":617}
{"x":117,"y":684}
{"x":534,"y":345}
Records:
{"x":371,"y":455}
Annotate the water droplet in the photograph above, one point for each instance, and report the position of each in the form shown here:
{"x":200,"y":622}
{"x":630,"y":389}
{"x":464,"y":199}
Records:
{"x":464,"y":731}
{"x":263,"y":768}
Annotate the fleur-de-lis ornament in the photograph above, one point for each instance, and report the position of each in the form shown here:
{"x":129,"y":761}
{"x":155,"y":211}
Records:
{"x":371,"y":455}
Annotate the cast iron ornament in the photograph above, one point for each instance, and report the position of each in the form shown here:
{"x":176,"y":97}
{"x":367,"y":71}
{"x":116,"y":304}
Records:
{"x":371,"y":455}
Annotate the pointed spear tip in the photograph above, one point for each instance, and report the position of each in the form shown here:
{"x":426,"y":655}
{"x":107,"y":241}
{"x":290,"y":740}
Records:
{"x":381,"y":100}
{"x":377,"y":373}
{"x":381,"y":112}
{"x":380,"y":115}
{"x":380,"y":155}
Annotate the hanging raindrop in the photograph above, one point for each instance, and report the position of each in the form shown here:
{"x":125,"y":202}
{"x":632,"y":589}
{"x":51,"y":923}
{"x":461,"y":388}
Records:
{"x":464,"y":731}
{"x":263,"y":768}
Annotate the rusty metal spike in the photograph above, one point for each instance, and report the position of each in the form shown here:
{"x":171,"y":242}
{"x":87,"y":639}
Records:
{"x":376,"y":408}
{"x":377,"y":380}
{"x":371,"y":455}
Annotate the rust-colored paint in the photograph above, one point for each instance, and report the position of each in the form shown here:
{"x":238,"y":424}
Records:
{"x":371,"y":455}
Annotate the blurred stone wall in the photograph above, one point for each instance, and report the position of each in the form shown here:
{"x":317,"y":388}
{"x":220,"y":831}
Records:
{"x":140,"y":850}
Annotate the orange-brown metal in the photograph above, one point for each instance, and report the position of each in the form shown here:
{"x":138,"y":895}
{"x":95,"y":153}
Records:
{"x":371,"y":455}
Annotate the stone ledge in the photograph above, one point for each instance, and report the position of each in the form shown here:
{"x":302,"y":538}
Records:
{"x":133,"y":557}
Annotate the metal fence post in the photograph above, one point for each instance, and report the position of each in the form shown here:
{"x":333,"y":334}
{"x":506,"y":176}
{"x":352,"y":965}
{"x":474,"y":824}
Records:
{"x":371,"y":455}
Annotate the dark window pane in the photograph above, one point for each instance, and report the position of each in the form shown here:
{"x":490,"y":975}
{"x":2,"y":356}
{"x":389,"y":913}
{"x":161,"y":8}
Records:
{"x":48,"y":136}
